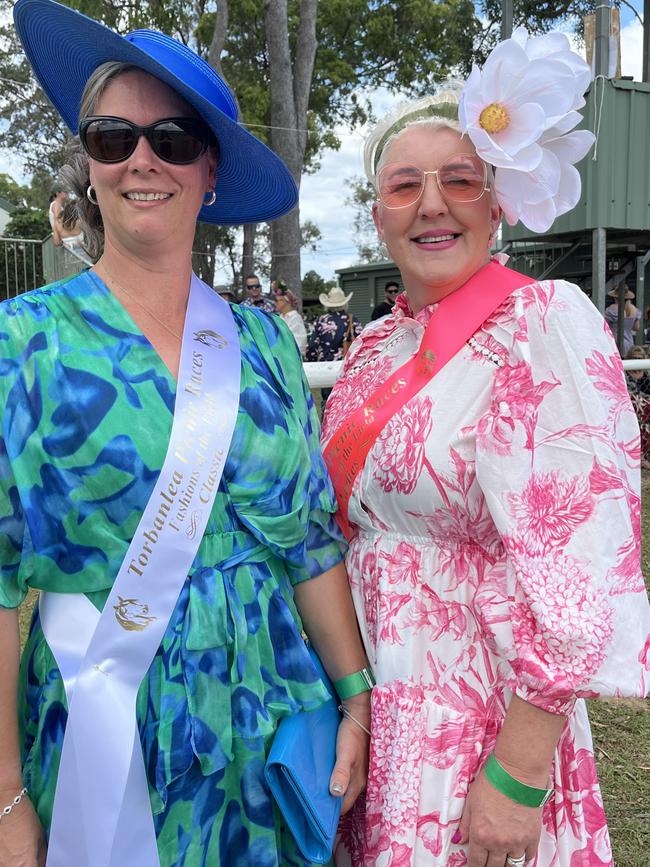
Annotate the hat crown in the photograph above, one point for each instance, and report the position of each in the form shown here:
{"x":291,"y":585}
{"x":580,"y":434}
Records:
{"x":183,"y":62}
{"x":65,"y":47}
{"x":335,"y":297}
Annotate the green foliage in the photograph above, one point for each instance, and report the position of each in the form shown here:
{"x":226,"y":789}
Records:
{"x":21,"y":262}
{"x":217,"y":251}
{"x":403,"y":45}
{"x":36,"y":195}
{"x":11,"y":191}
{"x":35,"y":129}
{"x":313,"y":284}
{"x":216,"y":257}
{"x":536,"y":16}
{"x":361,"y":198}
{"x":309,"y":235}
{"x":27,"y":223}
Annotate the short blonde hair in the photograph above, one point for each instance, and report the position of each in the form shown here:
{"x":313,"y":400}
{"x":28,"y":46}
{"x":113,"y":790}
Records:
{"x":435,"y":112}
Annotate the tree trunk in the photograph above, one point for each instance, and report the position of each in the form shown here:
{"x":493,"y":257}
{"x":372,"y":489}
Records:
{"x":289,"y":92}
{"x":219,"y":37}
{"x":248,"y":251}
{"x":203,"y":263}
{"x":214,"y":59}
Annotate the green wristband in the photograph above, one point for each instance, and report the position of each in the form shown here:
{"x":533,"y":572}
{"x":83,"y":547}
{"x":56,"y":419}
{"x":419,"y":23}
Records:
{"x":509,"y":786}
{"x":354,"y":684}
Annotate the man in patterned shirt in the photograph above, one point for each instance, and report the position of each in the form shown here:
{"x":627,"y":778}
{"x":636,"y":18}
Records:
{"x":333,"y":331}
{"x":254,"y":296}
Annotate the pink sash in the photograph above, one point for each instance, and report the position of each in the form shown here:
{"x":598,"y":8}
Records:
{"x":457,"y":317}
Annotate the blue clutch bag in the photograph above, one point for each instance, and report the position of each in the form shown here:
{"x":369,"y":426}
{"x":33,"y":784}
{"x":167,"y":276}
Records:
{"x":298,"y":770}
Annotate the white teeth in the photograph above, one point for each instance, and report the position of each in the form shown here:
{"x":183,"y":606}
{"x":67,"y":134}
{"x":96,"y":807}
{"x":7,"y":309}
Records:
{"x":147,"y":197}
{"x":435,"y":239}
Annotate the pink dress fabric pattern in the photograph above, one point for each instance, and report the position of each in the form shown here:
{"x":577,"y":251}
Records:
{"x":496,"y":551}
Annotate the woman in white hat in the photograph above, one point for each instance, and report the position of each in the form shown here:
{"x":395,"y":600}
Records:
{"x":485,"y":457}
{"x":162,"y":486}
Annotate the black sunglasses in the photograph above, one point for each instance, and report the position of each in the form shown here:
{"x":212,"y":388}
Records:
{"x":178,"y":140}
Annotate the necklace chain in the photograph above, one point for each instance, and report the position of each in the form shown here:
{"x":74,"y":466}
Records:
{"x":135,"y":300}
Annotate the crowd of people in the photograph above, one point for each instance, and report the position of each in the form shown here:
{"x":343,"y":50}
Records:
{"x":460,"y":543}
{"x":627,"y":337}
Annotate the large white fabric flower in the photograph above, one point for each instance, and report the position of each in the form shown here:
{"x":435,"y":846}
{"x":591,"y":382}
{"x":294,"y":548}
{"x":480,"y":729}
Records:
{"x":519,"y":111}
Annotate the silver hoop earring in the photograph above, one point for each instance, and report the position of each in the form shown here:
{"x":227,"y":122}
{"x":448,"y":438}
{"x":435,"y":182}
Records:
{"x":90,"y":195}
{"x":212,"y":198}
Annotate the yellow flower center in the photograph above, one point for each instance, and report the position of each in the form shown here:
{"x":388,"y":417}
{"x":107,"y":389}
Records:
{"x":494,"y":118}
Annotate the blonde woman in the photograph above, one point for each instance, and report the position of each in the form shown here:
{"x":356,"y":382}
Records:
{"x":286,"y":304}
{"x":485,"y":457}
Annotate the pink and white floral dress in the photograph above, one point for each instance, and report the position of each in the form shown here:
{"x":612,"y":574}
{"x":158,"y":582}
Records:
{"x":496,"y":551}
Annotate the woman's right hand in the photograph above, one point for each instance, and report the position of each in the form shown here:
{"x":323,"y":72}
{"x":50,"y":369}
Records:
{"x":22,"y":840}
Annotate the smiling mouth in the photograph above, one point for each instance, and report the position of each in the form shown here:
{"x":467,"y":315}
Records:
{"x":436,"y":239}
{"x":147,"y":197}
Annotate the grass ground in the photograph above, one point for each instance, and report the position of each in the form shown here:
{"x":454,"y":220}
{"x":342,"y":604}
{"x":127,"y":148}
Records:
{"x":621,"y":731}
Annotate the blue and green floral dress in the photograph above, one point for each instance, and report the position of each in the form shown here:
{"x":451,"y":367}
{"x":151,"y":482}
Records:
{"x":88,"y":413}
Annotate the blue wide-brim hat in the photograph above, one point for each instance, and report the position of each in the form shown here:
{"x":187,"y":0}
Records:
{"x":65,"y":47}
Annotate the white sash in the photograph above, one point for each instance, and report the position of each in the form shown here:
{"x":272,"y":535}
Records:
{"x":102,"y":813}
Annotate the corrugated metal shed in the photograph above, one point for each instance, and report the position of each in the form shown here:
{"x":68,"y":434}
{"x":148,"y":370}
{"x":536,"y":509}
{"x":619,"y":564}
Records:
{"x":616,"y":183}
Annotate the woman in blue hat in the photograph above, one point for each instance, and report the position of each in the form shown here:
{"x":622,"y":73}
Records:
{"x":163,"y":488}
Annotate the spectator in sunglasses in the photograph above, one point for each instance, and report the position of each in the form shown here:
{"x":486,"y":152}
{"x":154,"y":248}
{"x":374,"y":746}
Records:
{"x":255,"y":297}
{"x":391,"y":291}
{"x":162,"y":485}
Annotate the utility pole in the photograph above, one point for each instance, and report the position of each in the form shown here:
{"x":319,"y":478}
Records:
{"x":599,"y":235}
{"x":601,"y":44}
{"x":645,"y":72}
{"x":506,"y":18}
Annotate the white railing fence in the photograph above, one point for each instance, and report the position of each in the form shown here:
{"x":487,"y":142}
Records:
{"x":21,"y":266}
{"x":323,"y":374}
{"x":636,"y":364}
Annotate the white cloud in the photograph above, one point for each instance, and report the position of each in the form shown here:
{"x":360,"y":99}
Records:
{"x":322,"y":197}
{"x":632,"y":50}
{"x":322,"y":200}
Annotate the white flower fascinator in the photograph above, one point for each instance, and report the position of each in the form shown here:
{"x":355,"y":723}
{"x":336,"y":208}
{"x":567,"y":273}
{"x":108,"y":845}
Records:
{"x":520,"y":111}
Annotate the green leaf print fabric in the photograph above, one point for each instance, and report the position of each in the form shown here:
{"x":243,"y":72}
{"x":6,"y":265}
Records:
{"x":88,"y":412}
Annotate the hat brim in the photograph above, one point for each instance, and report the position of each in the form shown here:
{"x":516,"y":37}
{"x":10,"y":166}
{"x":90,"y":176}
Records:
{"x":324,"y":300}
{"x":65,"y":47}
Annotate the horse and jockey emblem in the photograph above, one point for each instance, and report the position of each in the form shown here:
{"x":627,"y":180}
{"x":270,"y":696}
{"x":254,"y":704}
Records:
{"x":210,"y":338}
{"x":132,"y":614}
